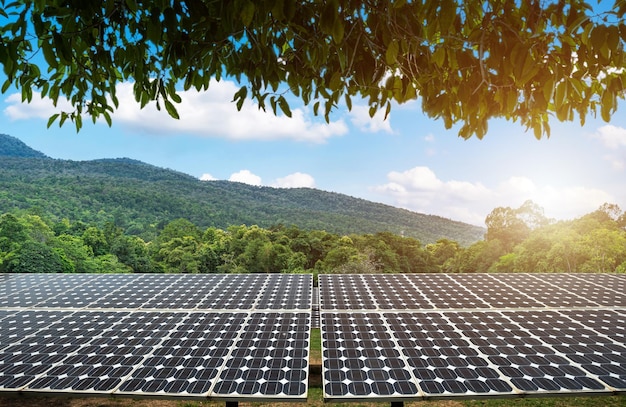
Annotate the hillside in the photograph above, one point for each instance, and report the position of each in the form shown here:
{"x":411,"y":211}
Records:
{"x":12,"y":147}
{"x":139,"y":196}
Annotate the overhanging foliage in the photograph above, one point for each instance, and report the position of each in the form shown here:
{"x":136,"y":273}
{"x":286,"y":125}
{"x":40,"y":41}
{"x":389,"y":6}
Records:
{"x":468,"y":61}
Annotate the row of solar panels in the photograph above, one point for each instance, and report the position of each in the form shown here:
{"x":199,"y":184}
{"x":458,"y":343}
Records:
{"x":293,"y":292}
{"x":472,"y":335}
{"x":471,"y":291}
{"x":473,"y":354}
{"x":236,"y":337}
{"x":217,"y":336}
{"x":157,"y":291}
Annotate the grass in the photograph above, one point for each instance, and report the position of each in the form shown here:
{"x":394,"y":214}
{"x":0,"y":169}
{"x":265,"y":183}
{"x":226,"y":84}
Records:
{"x":315,"y":399}
{"x":315,"y":357}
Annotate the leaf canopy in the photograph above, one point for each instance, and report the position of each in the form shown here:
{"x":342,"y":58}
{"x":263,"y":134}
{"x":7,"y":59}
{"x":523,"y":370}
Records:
{"x":467,"y":61}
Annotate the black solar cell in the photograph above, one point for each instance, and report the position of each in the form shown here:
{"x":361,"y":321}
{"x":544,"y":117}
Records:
{"x":539,"y":337}
{"x":158,"y":335}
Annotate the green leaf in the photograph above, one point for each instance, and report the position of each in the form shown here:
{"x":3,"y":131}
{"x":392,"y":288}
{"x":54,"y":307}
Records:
{"x":6,"y":85}
{"x":338,"y":31}
{"x":240,"y":96}
{"x":328,"y":17}
{"x":49,"y":55}
{"x":613,"y":38}
{"x":278,"y":10}
{"x":439,"y":56}
{"x":247,"y":12}
{"x":548,"y":88}
{"x":64,"y":53}
{"x":78,"y":122}
{"x":64,"y":117}
{"x":607,"y":105}
{"x":273,"y":104}
{"x":171,"y":109}
{"x":335,"y":81}
{"x":348,"y":101}
{"x":290,"y":9}
{"x":447,"y":14}
{"x":537,"y":129}
{"x":560,"y":94}
{"x":599,"y":37}
{"x":372,"y":110}
{"x":387,"y":110}
{"x":52,"y":119}
{"x":284,"y":106}
{"x":410,"y":92}
{"x":175,"y":97}
{"x":132,"y":5}
{"x":107,"y":117}
{"x":391,"y":56}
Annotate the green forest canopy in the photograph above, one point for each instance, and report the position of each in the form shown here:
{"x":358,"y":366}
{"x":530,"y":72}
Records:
{"x":468,"y":61}
{"x":517,"y":240}
{"x":139,"y":197}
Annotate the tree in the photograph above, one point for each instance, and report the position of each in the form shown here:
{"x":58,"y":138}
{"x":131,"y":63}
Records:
{"x":444,"y":254}
{"x":133,"y":252}
{"x":606,"y":250}
{"x":94,"y":238}
{"x":180,"y":255}
{"x":36,"y":257}
{"x":468,"y":61}
{"x":512,"y":226}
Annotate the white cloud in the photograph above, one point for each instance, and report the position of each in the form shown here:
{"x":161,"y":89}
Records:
{"x":560,"y":203}
{"x":246,"y":177}
{"x":212,"y":114}
{"x":617,"y":163}
{"x":419,"y":189}
{"x":295,"y":180}
{"x":360,"y":117}
{"x":611,"y":136}
{"x":207,"y":177}
{"x":38,"y":108}
{"x":204,"y":114}
{"x":614,"y":138}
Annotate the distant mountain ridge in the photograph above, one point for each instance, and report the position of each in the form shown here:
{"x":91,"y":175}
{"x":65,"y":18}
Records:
{"x":139,"y":196}
{"x":13,"y":147}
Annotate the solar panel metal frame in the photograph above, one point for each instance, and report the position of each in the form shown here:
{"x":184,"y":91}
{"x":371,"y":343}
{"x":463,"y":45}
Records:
{"x":521,"y":289}
{"x":280,"y":297}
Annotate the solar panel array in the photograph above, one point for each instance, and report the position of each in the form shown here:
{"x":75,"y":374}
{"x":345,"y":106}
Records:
{"x":403,"y":337}
{"x":230,"y":337}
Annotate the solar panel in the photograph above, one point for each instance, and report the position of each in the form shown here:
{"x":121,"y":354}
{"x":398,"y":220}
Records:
{"x":402,"y":337}
{"x":230,"y":337}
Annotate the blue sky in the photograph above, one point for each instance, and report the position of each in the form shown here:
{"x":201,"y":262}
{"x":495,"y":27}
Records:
{"x":408,"y":161}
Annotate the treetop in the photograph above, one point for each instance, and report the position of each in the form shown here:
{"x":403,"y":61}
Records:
{"x":466,"y":61}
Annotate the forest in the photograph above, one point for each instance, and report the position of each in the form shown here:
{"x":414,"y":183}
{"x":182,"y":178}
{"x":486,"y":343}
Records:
{"x":140,"y":198}
{"x":517,"y":240}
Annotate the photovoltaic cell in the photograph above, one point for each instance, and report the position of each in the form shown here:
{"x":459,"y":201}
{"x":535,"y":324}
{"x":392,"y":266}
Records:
{"x":473,"y":335}
{"x":361,"y":358}
{"x":547,"y":293}
{"x":442,"y":291}
{"x":218,"y":336}
{"x":597,"y":288}
{"x":188,"y":359}
{"x":157,"y":291}
{"x":496,"y":293}
{"x":269,"y":359}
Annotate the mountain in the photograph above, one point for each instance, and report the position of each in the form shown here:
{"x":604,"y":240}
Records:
{"x":141,"y":197}
{"x":12,"y":147}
